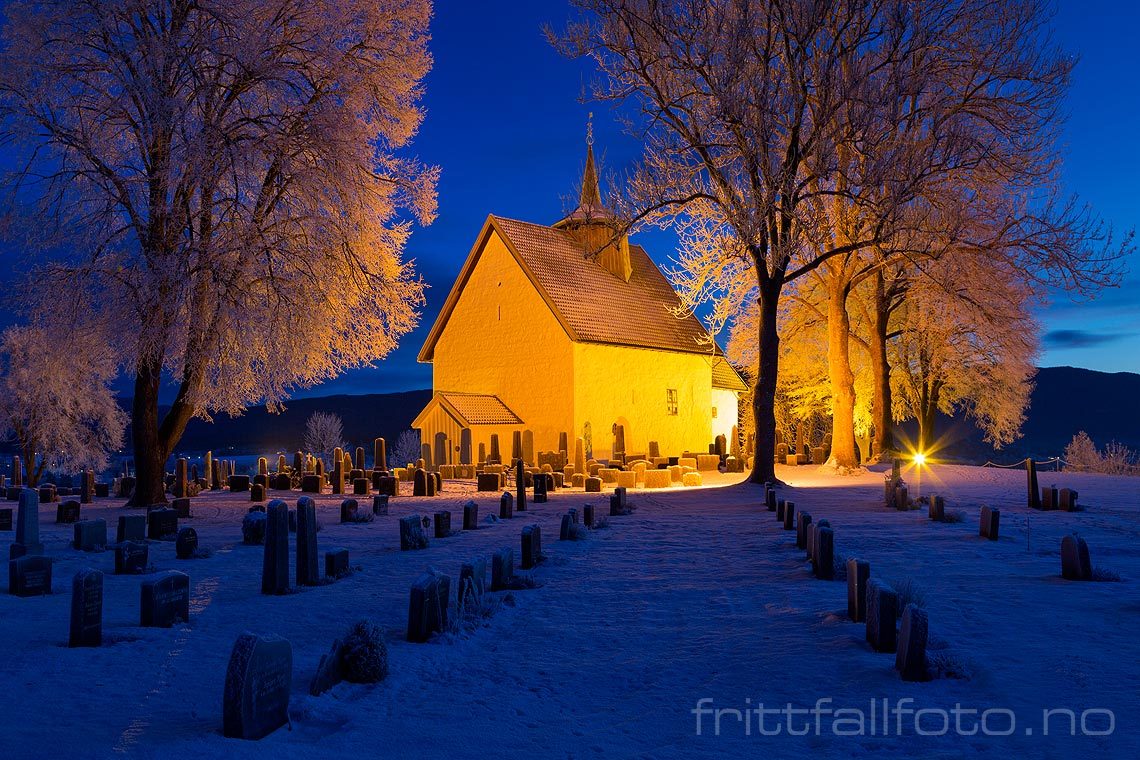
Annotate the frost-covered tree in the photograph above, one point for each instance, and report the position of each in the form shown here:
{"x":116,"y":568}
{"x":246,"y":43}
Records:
{"x":231,"y":176}
{"x":324,"y":432}
{"x":55,"y":400}
{"x":407,"y":449}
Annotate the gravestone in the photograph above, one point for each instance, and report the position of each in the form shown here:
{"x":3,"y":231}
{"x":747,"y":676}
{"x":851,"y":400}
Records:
{"x":126,"y":487}
{"x":990,"y":520}
{"x":824,"y":563}
{"x":253,"y":528}
{"x":1049,"y":498}
{"x":1068,"y":500}
{"x":380,"y":505}
{"x":812,"y":534}
{"x":360,"y":487}
{"x":257,"y":493}
{"x":186,"y":545}
{"x":181,"y":507}
{"x":770,"y":499}
{"x":275,"y":561}
{"x":472,"y":581}
{"x":330,"y":670}
{"x":102,"y":490}
{"x":506,"y":506}
{"x":541,"y":488}
{"x":67,"y":512}
{"x":131,"y":528}
{"x":858,"y":573}
{"x":902,"y":498}
{"x":1076,"y":564}
{"x":165,"y":600}
{"x":162,"y":524}
{"x":937,"y":509}
{"x":389,"y":485}
{"x":307,"y":564}
{"x":239,"y":483}
{"x":780,"y":510}
{"x":502,"y":569}
{"x":910,"y":661}
{"x":336,"y":563}
{"x":588,"y":515}
{"x":1031,"y":482}
{"x":427,"y":606}
{"x":789,"y":515}
{"x":90,"y":535}
{"x":520,"y":486}
{"x":86,"y":628}
{"x":803,"y":524}
{"x":488,"y":481}
{"x":531,"y":547}
{"x":348,"y":510}
{"x":465,"y":446}
{"x":311,"y":484}
{"x":470,"y":516}
{"x":27,"y":526}
{"x":48,"y":494}
{"x":29,"y":575}
{"x":258,"y":679}
{"x":6,"y":519}
{"x":412,"y":534}
{"x":131,"y":558}
{"x":566,"y":528}
{"x":882,"y":609}
{"x":592,"y":484}
{"x":442,"y":524}
{"x":420,"y":483}
{"x":380,"y":454}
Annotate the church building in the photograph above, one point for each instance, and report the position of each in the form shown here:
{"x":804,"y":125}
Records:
{"x":571,"y":329}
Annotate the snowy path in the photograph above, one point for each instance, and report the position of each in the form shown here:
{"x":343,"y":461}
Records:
{"x":698,"y":594}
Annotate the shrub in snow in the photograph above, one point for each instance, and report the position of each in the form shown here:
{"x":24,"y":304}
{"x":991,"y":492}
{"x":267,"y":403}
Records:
{"x":253,"y":528}
{"x":839,"y":565}
{"x":944,"y":665}
{"x":955,"y":516}
{"x":909,"y":592}
{"x":472,"y":611}
{"x":601,"y":523}
{"x":364,"y":653}
{"x":1103,"y":574}
{"x":1082,"y":455}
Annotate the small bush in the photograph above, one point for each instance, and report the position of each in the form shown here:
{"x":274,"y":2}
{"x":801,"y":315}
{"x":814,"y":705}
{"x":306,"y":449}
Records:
{"x":944,"y":665}
{"x":839,"y":565}
{"x":909,"y":592}
{"x":601,"y":523}
{"x":952,"y":516}
{"x":364,"y":653}
{"x":473,"y":611}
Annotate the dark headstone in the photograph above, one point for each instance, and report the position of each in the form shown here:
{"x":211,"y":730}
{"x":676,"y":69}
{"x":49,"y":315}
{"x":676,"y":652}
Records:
{"x":6,"y":519}
{"x":770,"y":499}
{"x":307,"y":564}
{"x":360,"y":487}
{"x":380,"y":504}
{"x":789,"y":515}
{"x":336,"y":563}
{"x":257,"y":493}
{"x":1068,"y":499}
{"x":253,"y":528}
{"x":566,"y":529}
{"x":311,"y":484}
{"x":990,"y":521}
{"x":588,"y":515}
{"x":258,"y":679}
{"x":882,"y":609}
{"x":427,"y":606}
{"x":348,"y":509}
{"x":420,"y":483}
{"x":131,"y":558}
{"x":165,"y":600}
{"x":488,"y":481}
{"x":531,"y":547}
{"x":779,"y":510}
{"x":541,"y":488}
{"x":442,"y":524}
{"x":502,"y":569}
{"x":858,"y":573}
{"x":1076,"y":564}
{"x":281,"y":482}
{"x":936,"y":510}
{"x":186,"y":545}
{"x":1050,"y":498}
{"x":388,"y":485}
{"x":1031,"y":482}
{"x":181,"y":507}
{"x":86,"y":609}
{"x":131,"y":528}
{"x":275,"y":562}
{"x":412,"y":534}
{"x":825,"y":554}
{"x":67,"y":512}
{"x":90,"y":535}
{"x":126,"y":487}
{"x":102,"y":490}
{"x":506,"y":506}
{"x":161,"y":524}
{"x":910,"y":660}
{"x":472,"y":581}
{"x":803,"y":524}
{"x":27,"y":526}
{"x":330,"y":670}
{"x":239,"y":483}
{"x":520,"y":486}
{"x":470,"y":516}
{"x":29,"y":575}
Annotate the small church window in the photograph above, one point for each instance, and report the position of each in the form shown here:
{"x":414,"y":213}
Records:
{"x":671,"y":401}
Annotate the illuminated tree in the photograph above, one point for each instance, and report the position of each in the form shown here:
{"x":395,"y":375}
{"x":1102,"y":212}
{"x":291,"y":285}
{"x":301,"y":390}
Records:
{"x":324,"y":432}
{"x":230,"y":176}
{"x":55,"y":399}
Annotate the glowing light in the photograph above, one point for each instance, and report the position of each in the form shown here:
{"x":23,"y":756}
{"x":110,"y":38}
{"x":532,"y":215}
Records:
{"x":920,"y":459}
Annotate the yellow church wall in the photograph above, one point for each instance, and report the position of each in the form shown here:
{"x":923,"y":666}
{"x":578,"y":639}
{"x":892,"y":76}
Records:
{"x":614,"y":383}
{"x":503,"y":339}
{"x":725,"y":403}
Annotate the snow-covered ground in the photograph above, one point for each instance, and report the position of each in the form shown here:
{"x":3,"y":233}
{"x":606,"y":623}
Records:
{"x":699,"y":595}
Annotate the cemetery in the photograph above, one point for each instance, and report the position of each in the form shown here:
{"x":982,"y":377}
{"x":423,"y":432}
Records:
{"x":569,"y":379}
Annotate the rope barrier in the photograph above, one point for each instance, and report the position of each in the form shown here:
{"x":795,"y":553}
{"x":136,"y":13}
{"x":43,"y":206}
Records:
{"x":1057,"y":462}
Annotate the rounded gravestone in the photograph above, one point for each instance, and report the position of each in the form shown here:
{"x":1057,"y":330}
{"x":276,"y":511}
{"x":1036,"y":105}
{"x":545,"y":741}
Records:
{"x":253,"y":528}
{"x":186,"y":544}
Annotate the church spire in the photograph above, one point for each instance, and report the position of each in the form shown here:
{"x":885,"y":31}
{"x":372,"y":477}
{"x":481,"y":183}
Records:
{"x":591,"y":197}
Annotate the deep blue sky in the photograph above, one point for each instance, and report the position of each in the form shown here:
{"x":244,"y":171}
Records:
{"x":505,"y":123}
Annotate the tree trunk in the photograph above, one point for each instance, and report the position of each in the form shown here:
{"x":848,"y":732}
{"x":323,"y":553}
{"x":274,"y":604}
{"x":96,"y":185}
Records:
{"x":31,"y":473}
{"x":926,"y":419}
{"x":842,"y":378}
{"x":881,"y":373}
{"x":150,"y":454}
{"x":764,"y":394}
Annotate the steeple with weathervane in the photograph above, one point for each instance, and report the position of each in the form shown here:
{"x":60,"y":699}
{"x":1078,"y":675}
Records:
{"x":593,"y":225}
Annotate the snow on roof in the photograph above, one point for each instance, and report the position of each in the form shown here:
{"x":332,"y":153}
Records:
{"x":480,"y":408}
